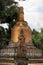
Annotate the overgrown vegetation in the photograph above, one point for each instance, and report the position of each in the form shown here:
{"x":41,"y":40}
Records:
{"x":8,"y":12}
{"x":37,"y":39}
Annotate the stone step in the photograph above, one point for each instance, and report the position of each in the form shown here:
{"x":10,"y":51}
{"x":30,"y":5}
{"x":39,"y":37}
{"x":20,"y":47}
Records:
{"x":6,"y":58}
{"x":5,"y":63}
{"x":11,"y":61}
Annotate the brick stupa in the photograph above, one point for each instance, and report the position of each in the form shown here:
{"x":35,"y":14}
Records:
{"x":23,"y":42}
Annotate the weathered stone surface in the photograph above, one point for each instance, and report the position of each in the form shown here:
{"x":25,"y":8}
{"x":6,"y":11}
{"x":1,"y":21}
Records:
{"x":20,"y":45}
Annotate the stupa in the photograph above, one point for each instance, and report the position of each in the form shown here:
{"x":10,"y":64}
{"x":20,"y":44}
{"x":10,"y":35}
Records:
{"x":20,"y":45}
{"x":21,"y":24}
{"x":32,"y":51}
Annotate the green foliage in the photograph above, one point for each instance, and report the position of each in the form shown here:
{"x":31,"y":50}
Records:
{"x":3,"y":37}
{"x":37,"y":39}
{"x":8,"y":12}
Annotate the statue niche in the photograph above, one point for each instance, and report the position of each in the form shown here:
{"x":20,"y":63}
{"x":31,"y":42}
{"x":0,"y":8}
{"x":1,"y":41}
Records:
{"x":22,"y":48}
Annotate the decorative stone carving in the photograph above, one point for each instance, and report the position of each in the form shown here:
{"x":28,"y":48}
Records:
{"x":22,"y":48}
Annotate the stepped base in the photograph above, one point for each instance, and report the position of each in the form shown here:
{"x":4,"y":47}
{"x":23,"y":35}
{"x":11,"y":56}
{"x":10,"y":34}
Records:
{"x":7,"y":54}
{"x":11,"y":61}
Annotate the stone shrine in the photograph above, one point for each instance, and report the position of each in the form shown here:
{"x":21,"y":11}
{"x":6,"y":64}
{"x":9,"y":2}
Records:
{"x":20,"y":48}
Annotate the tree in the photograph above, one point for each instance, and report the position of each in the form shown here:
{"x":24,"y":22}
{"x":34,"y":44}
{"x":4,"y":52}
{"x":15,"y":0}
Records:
{"x":3,"y":38}
{"x":37,"y":39}
{"x":41,"y":35}
{"x":8,"y":12}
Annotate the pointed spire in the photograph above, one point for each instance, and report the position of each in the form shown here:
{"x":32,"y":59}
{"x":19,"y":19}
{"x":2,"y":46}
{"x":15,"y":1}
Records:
{"x":21,"y":9}
{"x":21,"y":14}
